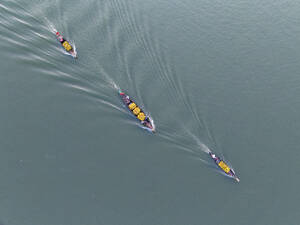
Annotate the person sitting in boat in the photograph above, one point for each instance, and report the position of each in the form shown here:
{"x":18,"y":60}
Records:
{"x":61,"y":39}
{"x":145,"y":121}
{"x":127,"y":100}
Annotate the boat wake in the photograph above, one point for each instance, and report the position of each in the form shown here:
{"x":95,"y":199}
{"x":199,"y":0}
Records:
{"x":53,"y":30}
{"x":35,"y":47}
{"x":50,"y":26}
{"x":185,"y":137}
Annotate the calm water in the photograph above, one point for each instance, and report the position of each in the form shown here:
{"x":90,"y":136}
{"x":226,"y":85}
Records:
{"x":219,"y":75}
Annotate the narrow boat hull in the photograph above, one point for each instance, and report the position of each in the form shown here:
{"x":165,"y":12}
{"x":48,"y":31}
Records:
{"x":224,"y":167}
{"x":72,"y":51}
{"x":147,"y":122}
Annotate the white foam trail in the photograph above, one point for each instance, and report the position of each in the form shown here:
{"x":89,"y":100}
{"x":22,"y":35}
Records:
{"x":146,"y":128}
{"x":110,"y":104}
{"x":4,"y":7}
{"x":50,"y":26}
{"x":199,"y":159}
{"x":114,"y":85}
{"x":139,"y":125}
{"x":204,"y":148}
{"x":110,"y":81}
{"x":74,"y":48}
{"x":83,"y":89}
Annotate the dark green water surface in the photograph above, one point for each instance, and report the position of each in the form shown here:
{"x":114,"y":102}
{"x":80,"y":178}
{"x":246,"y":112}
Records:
{"x":218,"y":75}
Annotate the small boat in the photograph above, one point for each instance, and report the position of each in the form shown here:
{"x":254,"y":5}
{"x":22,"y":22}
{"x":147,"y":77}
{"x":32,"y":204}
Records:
{"x":66,"y":45}
{"x":145,"y":120}
{"x":224,"y":167}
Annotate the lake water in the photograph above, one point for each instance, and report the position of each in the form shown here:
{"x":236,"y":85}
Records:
{"x":213,"y":74}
